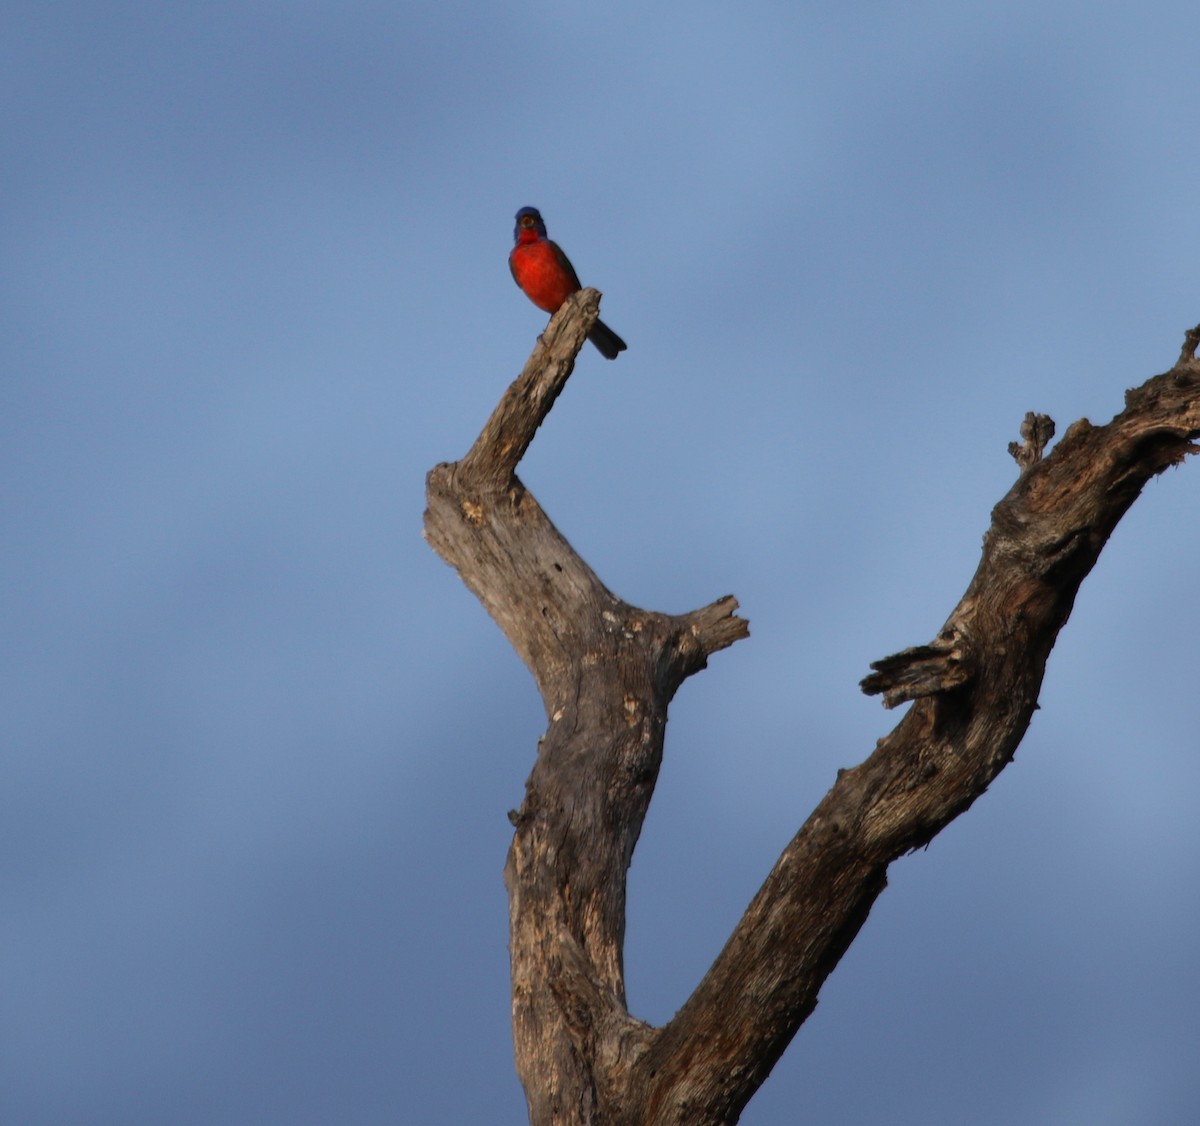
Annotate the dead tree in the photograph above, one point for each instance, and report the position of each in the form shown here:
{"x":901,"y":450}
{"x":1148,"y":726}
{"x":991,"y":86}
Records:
{"x":607,"y":671}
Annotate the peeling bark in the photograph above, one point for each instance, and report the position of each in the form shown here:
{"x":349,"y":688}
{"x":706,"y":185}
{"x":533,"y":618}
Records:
{"x":607,"y":671}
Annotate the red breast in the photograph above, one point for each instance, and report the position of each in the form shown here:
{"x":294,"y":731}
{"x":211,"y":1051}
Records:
{"x":542,"y":271}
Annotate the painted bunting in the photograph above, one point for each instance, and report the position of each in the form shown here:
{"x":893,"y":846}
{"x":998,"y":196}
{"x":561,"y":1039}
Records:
{"x":547,"y":278}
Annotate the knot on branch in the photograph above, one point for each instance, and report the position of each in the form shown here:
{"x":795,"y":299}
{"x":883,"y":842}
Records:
{"x":923,"y":670}
{"x":1036,"y":432}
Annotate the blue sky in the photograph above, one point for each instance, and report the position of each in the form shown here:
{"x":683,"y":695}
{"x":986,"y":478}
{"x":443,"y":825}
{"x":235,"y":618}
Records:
{"x":260,"y":742}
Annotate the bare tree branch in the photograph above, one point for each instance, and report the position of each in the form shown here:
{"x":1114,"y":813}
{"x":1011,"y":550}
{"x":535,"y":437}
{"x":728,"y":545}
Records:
{"x":607,"y":672}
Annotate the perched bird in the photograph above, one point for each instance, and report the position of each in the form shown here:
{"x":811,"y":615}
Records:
{"x":547,"y":278}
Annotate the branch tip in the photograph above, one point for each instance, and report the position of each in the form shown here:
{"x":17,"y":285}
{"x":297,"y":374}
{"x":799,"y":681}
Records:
{"x":527,"y":401}
{"x":1036,"y":432}
{"x":716,"y":626}
{"x":1191,"y":341}
{"x":922,"y":670}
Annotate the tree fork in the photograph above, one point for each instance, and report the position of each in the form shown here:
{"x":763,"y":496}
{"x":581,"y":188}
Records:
{"x":607,"y":671}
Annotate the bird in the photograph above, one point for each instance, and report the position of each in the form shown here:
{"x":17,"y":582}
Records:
{"x":547,"y":277}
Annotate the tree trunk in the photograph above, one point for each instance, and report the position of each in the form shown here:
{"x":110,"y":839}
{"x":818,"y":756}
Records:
{"x":607,"y":672}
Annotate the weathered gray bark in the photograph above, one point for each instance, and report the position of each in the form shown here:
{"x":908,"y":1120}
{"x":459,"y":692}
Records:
{"x":607,"y":671}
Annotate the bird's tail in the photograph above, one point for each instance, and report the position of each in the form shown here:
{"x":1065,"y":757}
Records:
{"x":607,"y":341}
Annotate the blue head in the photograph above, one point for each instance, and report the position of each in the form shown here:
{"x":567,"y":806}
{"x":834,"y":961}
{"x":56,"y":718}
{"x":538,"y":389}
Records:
{"x":529,"y":219}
